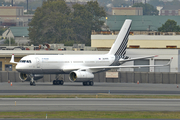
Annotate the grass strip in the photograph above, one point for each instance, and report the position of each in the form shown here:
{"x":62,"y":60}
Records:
{"x":93,"y":96}
{"x":92,"y":114}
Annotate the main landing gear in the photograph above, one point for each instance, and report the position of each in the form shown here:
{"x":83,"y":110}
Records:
{"x":88,"y":83}
{"x":32,"y":82}
{"x":58,"y":82}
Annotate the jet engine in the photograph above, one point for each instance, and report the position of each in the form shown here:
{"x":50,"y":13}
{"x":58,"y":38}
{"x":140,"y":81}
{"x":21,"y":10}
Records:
{"x":80,"y":76}
{"x":26,"y":77}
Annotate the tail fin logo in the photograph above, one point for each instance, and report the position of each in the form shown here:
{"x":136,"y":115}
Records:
{"x":122,"y":48}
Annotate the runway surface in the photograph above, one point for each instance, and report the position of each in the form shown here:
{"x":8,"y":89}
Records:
{"x":89,"y":119}
{"x":78,"y":88}
{"x":88,"y":104}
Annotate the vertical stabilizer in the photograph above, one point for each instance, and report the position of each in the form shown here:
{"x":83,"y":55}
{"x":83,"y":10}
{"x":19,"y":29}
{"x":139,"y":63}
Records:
{"x":120,"y":44}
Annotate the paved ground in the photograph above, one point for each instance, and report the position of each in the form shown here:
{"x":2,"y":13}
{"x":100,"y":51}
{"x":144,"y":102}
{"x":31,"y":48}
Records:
{"x":88,"y":104}
{"x":89,"y":119}
{"x":77,"y":88}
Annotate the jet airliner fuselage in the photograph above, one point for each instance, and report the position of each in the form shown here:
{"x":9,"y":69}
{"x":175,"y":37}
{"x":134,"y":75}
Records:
{"x":61,"y":64}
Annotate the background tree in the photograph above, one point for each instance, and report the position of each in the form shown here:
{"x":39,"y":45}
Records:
{"x":11,"y":40}
{"x":156,"y":3}
{"x":147,"y":9}
{"x":51,"y":23}
{"x":54,"y":22}
{"x":169,"y":26}
{"x":2,"y":30}
{"x":31,"y":4}
{"x":97,"y":13}
{"x":4,"y":3}
{"x":81,"y":23}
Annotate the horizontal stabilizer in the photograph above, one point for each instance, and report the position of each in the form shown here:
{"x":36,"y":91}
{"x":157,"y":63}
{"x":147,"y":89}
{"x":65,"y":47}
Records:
{"x":138,"y":58}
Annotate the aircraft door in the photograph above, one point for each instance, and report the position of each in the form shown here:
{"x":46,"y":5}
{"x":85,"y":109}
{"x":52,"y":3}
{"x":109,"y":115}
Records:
{"x":37,"y":63}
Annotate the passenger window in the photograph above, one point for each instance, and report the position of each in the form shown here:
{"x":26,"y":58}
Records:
{"x":25,"y":61}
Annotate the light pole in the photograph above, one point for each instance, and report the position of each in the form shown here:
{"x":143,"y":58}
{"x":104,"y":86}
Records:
{"x":19,"y":40}
{"x":21,"y":20}
{"x":0,"y":21}
{"x":9,"y":41}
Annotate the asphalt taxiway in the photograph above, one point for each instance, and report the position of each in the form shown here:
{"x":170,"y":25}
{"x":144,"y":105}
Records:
{"x":88,"y":104}
{"x":78,"y":88}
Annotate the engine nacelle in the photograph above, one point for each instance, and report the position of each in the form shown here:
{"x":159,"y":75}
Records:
{"x":80,"y":76}
{"x":26,"y":77}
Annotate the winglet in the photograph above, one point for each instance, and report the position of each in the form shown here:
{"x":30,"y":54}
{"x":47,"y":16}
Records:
{"x":12,"y":59}
{"x":169,"y":62}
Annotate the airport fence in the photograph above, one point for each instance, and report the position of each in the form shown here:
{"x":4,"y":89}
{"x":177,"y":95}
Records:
{"x":123,"y":77}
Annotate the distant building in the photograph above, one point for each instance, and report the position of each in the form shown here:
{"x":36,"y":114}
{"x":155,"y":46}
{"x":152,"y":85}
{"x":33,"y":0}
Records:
{"x":14,"y":16}
{"x":139,"y":23}
{"x":138,"y":41}
{"x":127,"y":11}
{"x":166,"y":0}
{"x":170,"y":10}
{"x":20,"y":34}
{"x":16,"y":1}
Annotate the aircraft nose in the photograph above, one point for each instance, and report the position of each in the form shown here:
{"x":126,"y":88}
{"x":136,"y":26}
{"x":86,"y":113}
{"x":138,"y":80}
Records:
{"x":18,"y":67}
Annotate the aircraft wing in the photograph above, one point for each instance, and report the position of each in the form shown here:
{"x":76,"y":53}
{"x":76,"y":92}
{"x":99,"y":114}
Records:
{"x":127,"y":66}
{"x":137,"y":58}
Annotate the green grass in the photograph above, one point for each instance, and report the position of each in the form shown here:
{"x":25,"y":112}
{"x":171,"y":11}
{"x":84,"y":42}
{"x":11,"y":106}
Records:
{"x":93,"y":96}
{"x":92,"y":114}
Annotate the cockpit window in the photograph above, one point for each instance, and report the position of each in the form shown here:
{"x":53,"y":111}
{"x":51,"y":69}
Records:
{"x":25,"y":61}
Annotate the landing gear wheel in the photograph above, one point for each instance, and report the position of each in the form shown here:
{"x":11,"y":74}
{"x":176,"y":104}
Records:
{"x":54,"y":82}
{"x":88,"y":83}
{"x":84,"y":83}
{"x":61,"y":82}
{"x":32,"y":83}
{"x":57,"y":82}
{"x":91,"y":83}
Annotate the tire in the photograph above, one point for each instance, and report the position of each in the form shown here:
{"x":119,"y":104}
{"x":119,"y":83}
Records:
{"x":31,"y":83}
{"x":58,"y":82}
{"x":84,"y":83}
{"x":54,"y":82}
{"x":87,"y":83}
{"x":61,"y":82}
{"x":91,"y":83}
{"x":34,"y":83}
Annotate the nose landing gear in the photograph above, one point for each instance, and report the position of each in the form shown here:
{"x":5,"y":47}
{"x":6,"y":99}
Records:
{"x":32,"y":82}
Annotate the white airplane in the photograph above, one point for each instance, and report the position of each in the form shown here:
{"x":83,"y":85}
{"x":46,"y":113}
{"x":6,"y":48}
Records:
{"x":81,"y":68}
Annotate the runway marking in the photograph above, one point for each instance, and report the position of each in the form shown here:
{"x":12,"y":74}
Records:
{"x":91,"y":104}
